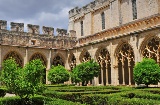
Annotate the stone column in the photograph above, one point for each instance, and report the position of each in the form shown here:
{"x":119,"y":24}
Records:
{"x":129,"y":70}
{"x":26,"y":56}
{"x":48,"y":65}
{"x":106,"y":72}
{"x":123,"y":78}
{"x":101,"y":72}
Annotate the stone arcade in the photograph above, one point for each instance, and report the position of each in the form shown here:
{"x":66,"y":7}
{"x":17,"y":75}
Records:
{"x":116,"y":33}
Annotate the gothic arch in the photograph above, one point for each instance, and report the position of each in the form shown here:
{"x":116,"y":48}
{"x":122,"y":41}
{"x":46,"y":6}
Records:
{"x":84,"y":56}
{"x":125,"y":61}
{"x":44,"y":61}
{"x":150,"y":48}
{"x":16,"y":56}
{"x":39,"y":56}
{"x":58,"y":60}
{"x":104,"y":60}
{"x":72,"y":61}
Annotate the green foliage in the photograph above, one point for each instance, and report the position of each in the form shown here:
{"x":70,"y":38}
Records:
{"x":10,"y":73}
{"x":85,"y":71}
{"x":146,"y":72}
{"x":26,"y":81}
{"x":30,"y":79}
{"x":58,"y":74}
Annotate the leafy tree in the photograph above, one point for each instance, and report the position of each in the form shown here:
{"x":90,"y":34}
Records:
{"x":58,"y":74}
{"x":24,"y":82}
{"x":85,"y":71}
{"x":146,"y":72}
{"x":31,"y":79}
{"x":10,"y":73}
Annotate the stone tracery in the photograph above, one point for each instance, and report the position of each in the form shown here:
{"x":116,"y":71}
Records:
{"x":125,"y":64}
{"x":72,"y":62}
{"x":58,"y":61}
{"x":105,"y":64}
{"x":152,"y":50}
{"x":15,"y":56}
{"x":39,"y":56}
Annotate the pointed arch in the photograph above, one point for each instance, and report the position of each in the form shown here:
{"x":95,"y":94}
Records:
{"x":150,"y":48}
{"x":44,"y":61}
{"x":72,"y":61}
{"x":39,"y":56}
{"x":16,"y":56}
{"x":84,"y":56}
{"x":104,"y":60}
{"x":126,"y":60}
{"x":58,"y":60}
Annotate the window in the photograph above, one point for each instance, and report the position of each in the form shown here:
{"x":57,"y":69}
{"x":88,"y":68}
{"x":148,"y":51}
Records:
{"x":0,"y":27}
{"x":103,"y":20}
{"x":81,"y":28}
{"x":134,"y":9}
{"x":33,"y":42}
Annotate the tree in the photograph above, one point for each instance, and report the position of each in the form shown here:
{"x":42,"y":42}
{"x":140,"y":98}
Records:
{"x":24,"y":82}
{"x":85,"y":71}
{"x":10,"y":73}
{"x":58,"y":74}
{"x":146,"y":72}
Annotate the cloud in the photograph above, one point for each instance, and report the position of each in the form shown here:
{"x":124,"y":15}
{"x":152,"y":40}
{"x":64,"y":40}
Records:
{"x":52,"y":13}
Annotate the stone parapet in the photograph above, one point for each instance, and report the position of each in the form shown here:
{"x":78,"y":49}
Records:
{"x":93,"y":6}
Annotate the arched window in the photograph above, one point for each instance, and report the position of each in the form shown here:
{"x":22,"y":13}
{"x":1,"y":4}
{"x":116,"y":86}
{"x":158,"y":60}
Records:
{"x":134,"y":9}
{"x":58,"y":61}
{"x":39,"y":56}
{"x":103,"y":20}
{"x":15,"y":56}
{"x":81,"y":28}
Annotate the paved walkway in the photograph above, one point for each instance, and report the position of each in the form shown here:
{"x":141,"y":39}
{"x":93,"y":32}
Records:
{"x":9,"y":95}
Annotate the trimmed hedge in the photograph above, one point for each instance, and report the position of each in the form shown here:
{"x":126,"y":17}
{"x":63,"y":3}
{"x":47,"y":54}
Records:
{"x":37,"y":100}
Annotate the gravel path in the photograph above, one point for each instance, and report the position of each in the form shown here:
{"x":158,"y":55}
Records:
{"x":9,"y":95}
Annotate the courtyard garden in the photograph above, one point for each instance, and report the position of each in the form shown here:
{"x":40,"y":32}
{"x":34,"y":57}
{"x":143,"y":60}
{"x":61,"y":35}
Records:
{"x":27,"y":85}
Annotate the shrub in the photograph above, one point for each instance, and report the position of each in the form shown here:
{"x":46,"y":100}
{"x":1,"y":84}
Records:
{"x":58,"y":74}
{"x":147,"y":72}
{"x":85,"y":71}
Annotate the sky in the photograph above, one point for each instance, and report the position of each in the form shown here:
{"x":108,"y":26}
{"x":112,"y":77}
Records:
{"x":51,"y":13}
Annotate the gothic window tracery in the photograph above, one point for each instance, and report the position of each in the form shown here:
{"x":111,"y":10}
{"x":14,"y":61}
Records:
{"x":125,"y":65}
{"x":58,"y":61}
{"x":86,"y":57}
{"x":105,"y":67}
{"x":72,"y":62}
{"x":39,"y":56}
{"x":152,"y":50}
{"x":15,"y":56}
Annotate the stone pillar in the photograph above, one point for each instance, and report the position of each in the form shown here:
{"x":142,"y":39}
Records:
{"x":106,"y":72}
{"x":101,"y":72}
{"x":123,"y":78}
{"x":129,"y":70}
{"x":26,"y":56}
{"x":116,"y":80}
{"x":48,"y":65}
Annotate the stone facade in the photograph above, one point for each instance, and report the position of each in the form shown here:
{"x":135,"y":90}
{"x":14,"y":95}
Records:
{"x":131,"y":32}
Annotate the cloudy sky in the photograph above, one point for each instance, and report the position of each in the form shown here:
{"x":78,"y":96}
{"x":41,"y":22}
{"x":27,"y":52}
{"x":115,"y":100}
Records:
{"x":52,"y":13}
